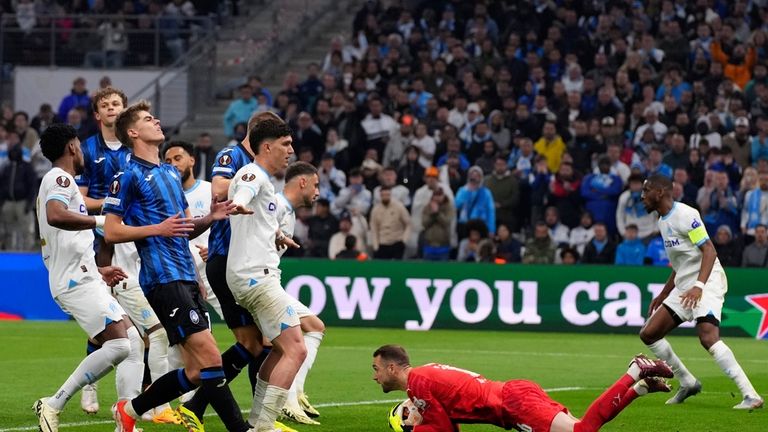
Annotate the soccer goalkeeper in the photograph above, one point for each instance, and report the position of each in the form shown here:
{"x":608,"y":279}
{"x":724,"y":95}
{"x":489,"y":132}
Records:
{"x":446,"y":396}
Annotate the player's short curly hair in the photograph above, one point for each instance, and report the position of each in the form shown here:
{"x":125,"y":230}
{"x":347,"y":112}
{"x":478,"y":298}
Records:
{"x":299,"y":168}
{"x":105,"y":93}
{"x":265,"y":130}
{"x":54,"y":140}
{"x":187,"y":146}
{"x":127,"y":118}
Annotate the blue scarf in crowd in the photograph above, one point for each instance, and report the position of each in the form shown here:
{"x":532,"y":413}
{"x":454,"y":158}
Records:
{"x":753,"y":208}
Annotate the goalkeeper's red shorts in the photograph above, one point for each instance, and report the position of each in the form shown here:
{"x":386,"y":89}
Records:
{"x":526,"y":404}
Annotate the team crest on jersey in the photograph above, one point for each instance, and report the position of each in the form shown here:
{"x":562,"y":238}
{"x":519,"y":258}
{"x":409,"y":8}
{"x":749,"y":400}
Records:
{"x":194,"y":317}
{"x":420,"y":404}
{"x":62,"y":181}
{"x":225,"y":159}
{"x":248,"y":177}
{"x":272,"y":207}
{"x":114,"y":187}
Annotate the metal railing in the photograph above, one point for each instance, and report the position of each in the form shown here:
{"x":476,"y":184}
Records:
{"x":101,"y":40}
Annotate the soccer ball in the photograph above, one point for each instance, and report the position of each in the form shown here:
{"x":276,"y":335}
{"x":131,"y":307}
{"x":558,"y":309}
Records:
{"x":404,"y":416}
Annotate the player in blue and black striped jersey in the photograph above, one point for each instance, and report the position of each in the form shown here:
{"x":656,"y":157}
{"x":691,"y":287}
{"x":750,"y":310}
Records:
{"x":146,"y":205}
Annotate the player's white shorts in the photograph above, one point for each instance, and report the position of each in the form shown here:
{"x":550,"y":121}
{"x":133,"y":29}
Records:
{"x":298,"y":306}
{"x":210,"y":297}
{"x":91,"y":306}
{"x":272,"y":308}
{"x":711,"y":303}
{"x":130,"y":296}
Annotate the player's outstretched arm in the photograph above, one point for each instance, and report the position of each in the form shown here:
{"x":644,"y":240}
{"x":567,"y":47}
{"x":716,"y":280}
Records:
{"x":219,"y":210}
{"x":116,"y":232}
{"x":58,"y":216}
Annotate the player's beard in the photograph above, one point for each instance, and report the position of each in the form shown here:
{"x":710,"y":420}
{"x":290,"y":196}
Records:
{"x":186,"y":174}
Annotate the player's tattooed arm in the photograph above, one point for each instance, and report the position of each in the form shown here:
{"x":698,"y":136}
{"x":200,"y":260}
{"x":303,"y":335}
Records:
{"x":60,"y":217}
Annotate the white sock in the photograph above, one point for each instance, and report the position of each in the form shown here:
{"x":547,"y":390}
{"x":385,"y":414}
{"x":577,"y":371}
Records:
{"x":727,"y":361}
{"x":175,"y":361}
{"x":312,"y":341}
{"x":129,"y":373}
{"x":640,"y":389}
{"x":91,"y":369}
{"x":274,"y":400}
{"x":258,"y":400}
{"x":157,"y":360}
{"x":663,"y":350}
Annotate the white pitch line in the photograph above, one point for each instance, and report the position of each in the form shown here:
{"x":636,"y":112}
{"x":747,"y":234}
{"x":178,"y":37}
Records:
{"x":320,"y":405}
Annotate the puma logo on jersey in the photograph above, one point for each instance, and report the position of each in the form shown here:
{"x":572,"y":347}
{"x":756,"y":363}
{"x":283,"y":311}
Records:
{"x":149,"y":177}
{"x":173,"y":312}
{"x":99,"y":160}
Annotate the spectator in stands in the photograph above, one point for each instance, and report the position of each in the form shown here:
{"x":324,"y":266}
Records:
{"x":354,"y":198}
{"x":558,"y":232}
{"x":240,"y":110}
{"x":437,"y":219}
{"x":27,"y":135}
{"x":655,"y":254}
{"x":77,"y":120}
{"x":522,"y":159}
{"x":238,"y":134}
{"x":322,"y":225}
{"x":475,"y":201}
{"x":390,"y":227}
{"x":400,"y":140}
{"x":309,"y":135}
{"x":500,"y":134}
{"x":739,"y":141}
{"x":564,"y":193}
{"x":426,"y":145}
{"x":756,"y":254}
{"x":569,"y":256}
{"x":540,"y":249}
{"x":704,"y":131}
{"x":677,"y":156}
{"x":378,"y":126}
{"x":337,"y":243}
{"x":655,"y":164}
{"x":550,"y":145}
{"x":411,"y":173}
{"x":18,"y":182}
{"x":469,"y":247}
{"x":582,"y":234}
{"x":720,"y":206}
{"x":631,"y":211}
{"x":738,"y":65}
{"x":728,"y":249}
{"x":651,"y":116}
{"x":204,"y":155}
{"x":78,"y":98}
{"x":760,"y":141}
{"x":631,"y":251}
{"x":600,"y":192}
{"x":114,"y":44}
{"x":332,"y":179}
{"x":505,"y":189}
{"x":399,"y":192}
{"x":370,"y":170}
{"x":601,"y":249}
{"x":583,"y":147}
{"x":487,"y":158}
{"x":44,"y":118}
{"x":755,"y":207}
{"x":350,"y":251}
{"x":311,"y":88}
{"x":508,"y":248}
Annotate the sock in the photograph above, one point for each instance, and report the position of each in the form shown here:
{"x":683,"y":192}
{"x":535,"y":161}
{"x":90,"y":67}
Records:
{"x":640,"y":390}
{"x":175,"y":361}
{"x":255,"y":365}
{"x":90,"y":369}
{"x":233,"y":360}
{"x":607,"y":406}
{"x":258,"y":400}
{"x":165,"y":389}
{"x":274,"y":400}
{"x":312,"y":341}
{"x":663,"y":350}
{"x":213,"y":384}
{"x":147,"y":378}
{"x":129,"y":373}
{"x":727,"y":361}
{"x":158,"y":354}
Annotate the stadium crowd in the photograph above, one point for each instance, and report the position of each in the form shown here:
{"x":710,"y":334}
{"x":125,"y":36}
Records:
{"x":513,"y":131}
{"x":128,"y":38}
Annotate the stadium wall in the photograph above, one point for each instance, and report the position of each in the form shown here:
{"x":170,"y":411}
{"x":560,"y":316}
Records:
{"x":422,"y":296}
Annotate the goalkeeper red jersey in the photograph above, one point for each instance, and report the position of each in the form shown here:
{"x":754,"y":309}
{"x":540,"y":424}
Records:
{"x":446,"y":396}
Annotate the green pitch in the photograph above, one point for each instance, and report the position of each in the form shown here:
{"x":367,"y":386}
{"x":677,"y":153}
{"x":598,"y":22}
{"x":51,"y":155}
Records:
{"x":37,"y":356}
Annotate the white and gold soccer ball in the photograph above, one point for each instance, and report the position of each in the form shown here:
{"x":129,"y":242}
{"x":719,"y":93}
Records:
{"x":404,"y":416}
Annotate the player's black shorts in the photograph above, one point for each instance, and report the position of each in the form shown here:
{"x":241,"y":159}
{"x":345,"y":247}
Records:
{"x":234,"y":315}
{"x":180,"y":308}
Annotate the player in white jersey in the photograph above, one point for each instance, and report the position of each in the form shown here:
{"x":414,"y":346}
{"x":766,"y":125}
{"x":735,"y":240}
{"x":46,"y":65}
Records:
{"x":104,"y":156}
{"x":695,"y":290}
{"x":252,"y":268}
{"x":76,"y":283}
{"x":301,"y":190}
{"x":198,"y":194}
